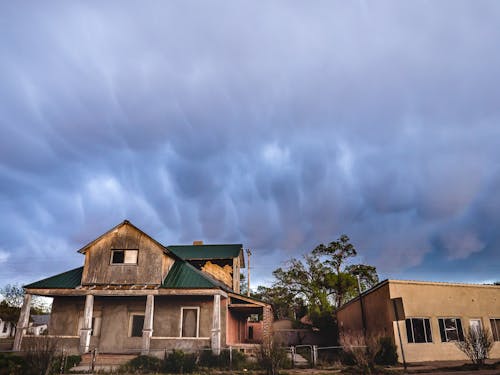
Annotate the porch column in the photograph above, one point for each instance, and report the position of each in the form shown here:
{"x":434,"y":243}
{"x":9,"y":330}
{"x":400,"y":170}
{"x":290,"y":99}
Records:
{"x":215,"y":337}
{"x":87,"y":324}
{"x":267,"y":323}
{"x":147,"y":330}
{"x":23,"y":322}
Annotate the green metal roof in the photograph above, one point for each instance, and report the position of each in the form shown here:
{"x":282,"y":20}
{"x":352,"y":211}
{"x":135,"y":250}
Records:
{"x":184,"y":275}
{"x":191,"y":252}
{"x":66,"y":280}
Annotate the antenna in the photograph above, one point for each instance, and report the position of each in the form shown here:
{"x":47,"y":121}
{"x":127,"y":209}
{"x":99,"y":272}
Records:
{"x":248,"y":272}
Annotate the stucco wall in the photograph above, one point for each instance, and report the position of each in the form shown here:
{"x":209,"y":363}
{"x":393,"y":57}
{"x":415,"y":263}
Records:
{"x":378,"y":315}
{"x":435,"y":301}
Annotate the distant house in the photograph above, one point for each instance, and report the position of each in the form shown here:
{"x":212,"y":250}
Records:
{"x":39,"y":324}
{"x":429,"y":316}
{"x":134,"y":294}
{"x":7,"y":329}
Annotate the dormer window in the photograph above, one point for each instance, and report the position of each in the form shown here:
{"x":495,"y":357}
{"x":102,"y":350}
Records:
{"x":124,"y":257}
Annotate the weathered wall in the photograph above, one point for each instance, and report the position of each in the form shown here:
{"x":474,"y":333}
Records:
{"x":116,"y":313}
{"x":152,"y":264}
{"x":64,"y":315}
{"x":435,"y":300}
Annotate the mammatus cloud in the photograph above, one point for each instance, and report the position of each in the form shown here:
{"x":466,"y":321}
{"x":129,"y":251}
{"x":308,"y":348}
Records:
{"x":280,"y":126}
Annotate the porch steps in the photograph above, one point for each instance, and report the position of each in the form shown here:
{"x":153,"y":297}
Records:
{"x":103,"y":361}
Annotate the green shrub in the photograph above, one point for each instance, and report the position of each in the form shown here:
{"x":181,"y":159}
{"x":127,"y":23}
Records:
{"x":69,"y":362}
{"x":179,"y":362}
{"x":143,"y":364}
{"x":12,"y":365}
{"x":222,"y":361}
{"x":387,"y":354}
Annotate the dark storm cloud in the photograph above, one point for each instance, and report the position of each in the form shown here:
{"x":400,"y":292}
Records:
{"x":278,"y":125}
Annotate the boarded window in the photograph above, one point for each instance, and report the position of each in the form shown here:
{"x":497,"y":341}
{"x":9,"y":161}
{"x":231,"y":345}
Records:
{"x":124,"y":256}
{"x":189,"y":322}
{"x":451,"y":329}
{"x":418,"y":330}
{"x":137,"y":325}
{"x":495,"y":329}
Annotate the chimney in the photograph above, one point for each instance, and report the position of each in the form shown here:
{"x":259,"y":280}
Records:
{"x":197,"y":243}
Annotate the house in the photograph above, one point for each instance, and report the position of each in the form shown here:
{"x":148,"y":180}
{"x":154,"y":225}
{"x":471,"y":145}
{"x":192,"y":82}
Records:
{"x":7,"y":329}
{"x":134,"y":294}
{"x":39,"y":324}
{"x":425,"y":319}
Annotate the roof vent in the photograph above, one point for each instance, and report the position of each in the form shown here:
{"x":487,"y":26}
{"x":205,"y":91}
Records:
{"x":197,"y":243}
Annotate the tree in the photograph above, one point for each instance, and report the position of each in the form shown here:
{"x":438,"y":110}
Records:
{"x":13,"y":298}
{"x":324,"y":279}
{"x":285,"y":303}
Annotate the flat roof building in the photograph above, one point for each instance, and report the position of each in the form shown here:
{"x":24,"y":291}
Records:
{"x":431,"y":316}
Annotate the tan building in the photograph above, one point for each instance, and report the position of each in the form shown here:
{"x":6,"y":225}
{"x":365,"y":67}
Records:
{"x":433,"y":316}
{"x":134,"y":295}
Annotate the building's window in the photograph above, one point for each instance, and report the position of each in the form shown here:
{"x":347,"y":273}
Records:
{"x":418,"y":330}
{"x":495,"y":329}
{"x":5,"y":327}
{"x":124,"y":256}
{"x":250,"y":333}
{"x":451,"y":329}
{"x":190,"y":319}
{"x":136,"y":325}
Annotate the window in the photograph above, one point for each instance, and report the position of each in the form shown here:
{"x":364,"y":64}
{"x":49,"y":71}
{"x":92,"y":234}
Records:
{"x":451,"y":329}
{"x":190,"y":319}
{"x":136,"y":325}
{"x":495,"y":329}
{"x":418,"y":330}
{"x":124,"y":256}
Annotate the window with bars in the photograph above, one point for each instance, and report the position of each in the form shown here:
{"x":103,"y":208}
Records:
{"x":418,"y":330}
{"x":495,"y":329}
{"x":451,"y":329}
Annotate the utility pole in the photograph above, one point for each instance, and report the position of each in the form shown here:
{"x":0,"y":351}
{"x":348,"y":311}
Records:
{"x":248,"y":272}
{"x":363,"y":318}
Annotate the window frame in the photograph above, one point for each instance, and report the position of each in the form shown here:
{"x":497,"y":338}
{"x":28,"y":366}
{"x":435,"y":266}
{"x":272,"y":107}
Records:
{"x":113,"y":251}
{"x":426,"y":335}
{"x":495,"y":332}
{"x":460,"y":333}
{"x":197,"y":308}
{"x":131,"y":323}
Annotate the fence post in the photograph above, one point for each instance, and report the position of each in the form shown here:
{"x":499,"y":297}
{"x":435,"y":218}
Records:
{"x":230,"y":358}
{"x":292,"y":352}
{"x":92,"y":362}
{"x":314,"y":355}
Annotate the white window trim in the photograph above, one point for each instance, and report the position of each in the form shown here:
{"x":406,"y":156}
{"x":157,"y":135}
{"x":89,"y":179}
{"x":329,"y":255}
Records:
{"x":197,"y":308}
{"x":131,"y":322}
{"x":425,"y":330}
{"x":124,"y":257}
{"x":456,"y":328}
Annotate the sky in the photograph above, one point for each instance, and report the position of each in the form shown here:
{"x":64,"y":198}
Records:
{"x":276,"y":124}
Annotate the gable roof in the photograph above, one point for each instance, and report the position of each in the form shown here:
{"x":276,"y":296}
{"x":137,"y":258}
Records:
{"x":66,"y":280}
{"x":206,"y":252}
{"x":124,"y":222}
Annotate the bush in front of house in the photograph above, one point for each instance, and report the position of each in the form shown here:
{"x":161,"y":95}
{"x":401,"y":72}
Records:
{"x":222,"y":361}
{"x":179,"y":362}
{"x":387,"y":354}
{"x":143,"y":364}
{"x":69,"y":362}
{"x":12,"y":365}
{"x":477,"y":345}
